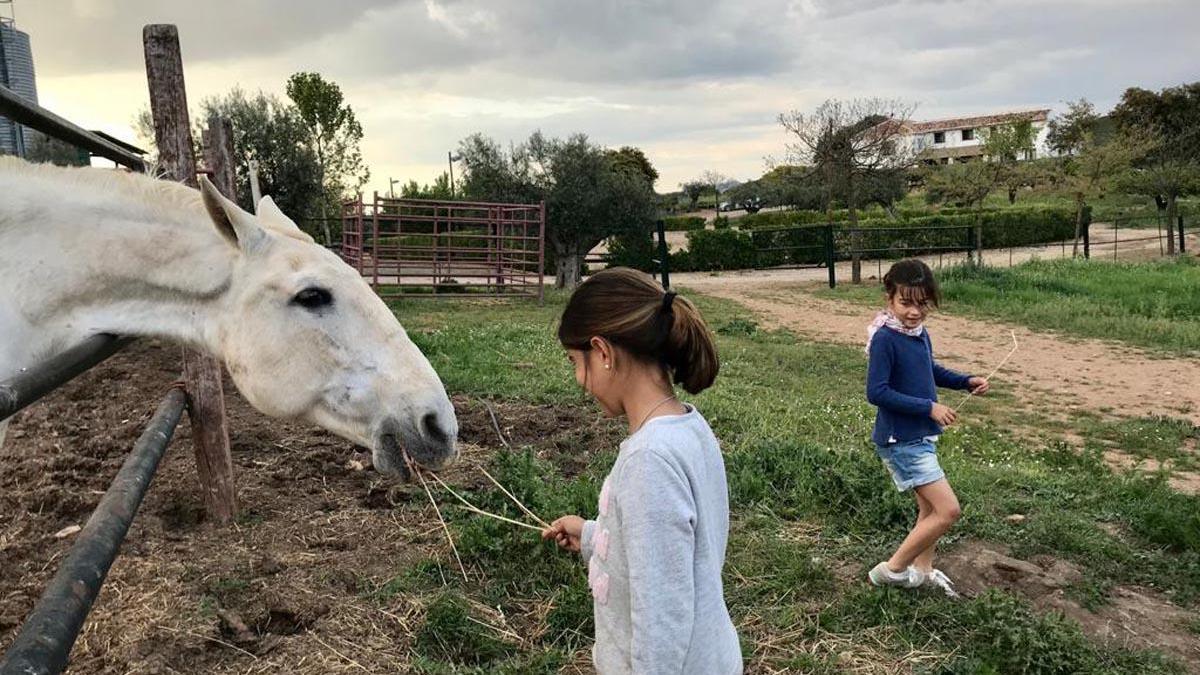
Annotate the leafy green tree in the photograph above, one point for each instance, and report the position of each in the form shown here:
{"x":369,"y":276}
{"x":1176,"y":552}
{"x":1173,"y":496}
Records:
{"x":589,"y":195}
{"x":47,"y":149}
{"x":634,"y":159}
{"x":438,"y":190}
{"x":333,"y":135}
{"x":270,"y":132}
{"x":1007,"y":145}
{"x":1094,"y":166}
{"x":692,"y":190}
{"x":1069,"y":132}
{"x":1170,"y":122}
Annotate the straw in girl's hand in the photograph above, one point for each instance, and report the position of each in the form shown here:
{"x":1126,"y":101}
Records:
{"x":994,"y":371}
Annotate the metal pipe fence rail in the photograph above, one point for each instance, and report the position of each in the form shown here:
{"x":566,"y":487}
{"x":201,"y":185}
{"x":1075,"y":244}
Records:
{"x":43,"y":646}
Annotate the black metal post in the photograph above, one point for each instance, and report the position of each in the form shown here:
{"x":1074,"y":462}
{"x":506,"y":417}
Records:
{"x":830,"y":257}
{"x":44,"y":644}
{"x":664,"y":253}
{"x":34,"y":383}
{"x":1087,"y":242}
{"x":1181,"y":237}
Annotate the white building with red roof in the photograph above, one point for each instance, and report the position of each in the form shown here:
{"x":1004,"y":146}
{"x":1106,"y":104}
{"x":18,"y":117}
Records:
{"x":960,"y":139}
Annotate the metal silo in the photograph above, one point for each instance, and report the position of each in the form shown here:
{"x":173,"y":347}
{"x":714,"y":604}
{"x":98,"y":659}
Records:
{"x":16,"y":73}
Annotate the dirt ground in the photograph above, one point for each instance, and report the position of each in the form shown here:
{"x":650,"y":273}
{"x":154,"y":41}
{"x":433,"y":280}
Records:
{"x":283,"y":590}
{"x":287,"y":589}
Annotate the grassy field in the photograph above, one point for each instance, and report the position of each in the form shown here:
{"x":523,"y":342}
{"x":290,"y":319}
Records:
{"x":811,"y":506}
{"x":1154,"y":305}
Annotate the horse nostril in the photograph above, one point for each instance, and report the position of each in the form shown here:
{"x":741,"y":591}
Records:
{"x":433,"y":430}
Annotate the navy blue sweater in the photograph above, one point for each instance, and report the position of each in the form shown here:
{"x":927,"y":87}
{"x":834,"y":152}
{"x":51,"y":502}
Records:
{"x":902,"y":381}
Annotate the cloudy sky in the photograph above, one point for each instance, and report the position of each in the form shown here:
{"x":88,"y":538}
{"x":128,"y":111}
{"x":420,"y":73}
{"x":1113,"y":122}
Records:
{"x":697,"y":84}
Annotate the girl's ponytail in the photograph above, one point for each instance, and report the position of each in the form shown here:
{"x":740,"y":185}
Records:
{"x":630,"y":309}
{"x":689,"y":350}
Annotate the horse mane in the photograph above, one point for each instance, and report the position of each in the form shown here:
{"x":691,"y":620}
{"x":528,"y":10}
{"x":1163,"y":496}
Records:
{"x":159,"y":200}
{"x":162,"y":200}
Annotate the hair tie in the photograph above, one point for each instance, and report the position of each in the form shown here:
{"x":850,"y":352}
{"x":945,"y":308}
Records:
{"x":668,"y":300}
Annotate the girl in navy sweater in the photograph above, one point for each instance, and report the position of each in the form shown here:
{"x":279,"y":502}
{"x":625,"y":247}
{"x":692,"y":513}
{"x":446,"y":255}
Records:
{"x":902,"y":382}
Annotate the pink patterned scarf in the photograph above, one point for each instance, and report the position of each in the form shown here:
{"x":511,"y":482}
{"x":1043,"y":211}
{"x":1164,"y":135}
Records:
{"x":886,"y":318}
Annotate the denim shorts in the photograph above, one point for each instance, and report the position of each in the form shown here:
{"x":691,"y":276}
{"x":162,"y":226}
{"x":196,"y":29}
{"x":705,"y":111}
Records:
{"x":911,"y":463}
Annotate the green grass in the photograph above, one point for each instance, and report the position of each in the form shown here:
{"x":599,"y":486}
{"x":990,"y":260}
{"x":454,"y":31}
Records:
{"x":1153,"y":305}
{"x":808,"y":500}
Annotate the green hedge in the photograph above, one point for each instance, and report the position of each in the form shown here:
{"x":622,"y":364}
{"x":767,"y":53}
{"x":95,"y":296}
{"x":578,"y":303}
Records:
{"x":725,"y":249}
{"x":1002,"y":228}
{"x":683,"y":223}
{"x":771,"y":219}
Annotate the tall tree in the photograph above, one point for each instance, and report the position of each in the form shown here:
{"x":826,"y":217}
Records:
{"x":848,"y":143}
{"x":589,"y":196}
{"x":693,"y":189}
{"x":270,"y":132}
{"x":1007,"y":145}
{"x":634,"y":159}
{"x":1068,"y":132}
{"x":965,"y":184}
{"x":713,"y":180}
{"x":47,"y":149}
{"x":1170,"y":121}
{"x":1094,"y":166}
{"x":333,"y":134}
{"x":439,"y":189}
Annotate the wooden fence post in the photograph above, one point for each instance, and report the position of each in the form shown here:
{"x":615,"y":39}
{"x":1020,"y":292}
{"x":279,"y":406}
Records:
{"x":206,"y":404}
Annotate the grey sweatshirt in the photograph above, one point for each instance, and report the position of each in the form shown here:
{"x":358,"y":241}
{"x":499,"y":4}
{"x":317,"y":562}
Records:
{"x":655,"y":555}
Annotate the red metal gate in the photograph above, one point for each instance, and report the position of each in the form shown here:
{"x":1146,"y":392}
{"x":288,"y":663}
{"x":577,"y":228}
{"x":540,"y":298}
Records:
{"x":446,"y":249}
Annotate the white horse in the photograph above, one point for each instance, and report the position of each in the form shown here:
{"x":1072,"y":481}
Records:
{"x":87,"y":251}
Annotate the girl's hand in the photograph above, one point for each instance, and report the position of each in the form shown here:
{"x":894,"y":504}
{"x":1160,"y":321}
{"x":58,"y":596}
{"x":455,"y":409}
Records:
{"x":978,"y":385}
{"x":567,"y":531}
{"x":943,"y":415}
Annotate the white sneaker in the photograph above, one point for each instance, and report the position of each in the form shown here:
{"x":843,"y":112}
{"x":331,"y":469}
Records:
{"x":881,"y":575}
{"x":938,"y":579}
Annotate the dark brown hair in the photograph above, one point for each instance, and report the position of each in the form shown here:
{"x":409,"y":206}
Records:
{"x":630,"y":309}
{"x":914,"y":281}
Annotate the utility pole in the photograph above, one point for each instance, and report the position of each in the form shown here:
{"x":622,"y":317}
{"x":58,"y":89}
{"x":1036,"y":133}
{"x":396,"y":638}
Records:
{"x":451,"y":159}
{"x":392,"y":187}
{"x":255,"y":191}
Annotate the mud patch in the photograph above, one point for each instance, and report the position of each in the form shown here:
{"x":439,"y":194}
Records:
{"x":1132,"y":618}
{"x":290,"y":586}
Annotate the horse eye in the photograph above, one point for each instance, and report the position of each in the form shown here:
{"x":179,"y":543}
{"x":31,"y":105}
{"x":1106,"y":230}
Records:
{"x":313,"y":298}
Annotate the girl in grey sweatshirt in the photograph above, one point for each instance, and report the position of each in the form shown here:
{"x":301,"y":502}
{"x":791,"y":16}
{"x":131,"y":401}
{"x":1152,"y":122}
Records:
{"x":656,"y":548}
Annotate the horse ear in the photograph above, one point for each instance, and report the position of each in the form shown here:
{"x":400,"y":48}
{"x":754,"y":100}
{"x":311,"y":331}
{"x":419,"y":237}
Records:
{"x":270,"y":212}
{"x":237,"y":226}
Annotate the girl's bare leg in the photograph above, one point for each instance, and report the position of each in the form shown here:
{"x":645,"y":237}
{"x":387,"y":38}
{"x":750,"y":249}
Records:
{"x":943,"y":512}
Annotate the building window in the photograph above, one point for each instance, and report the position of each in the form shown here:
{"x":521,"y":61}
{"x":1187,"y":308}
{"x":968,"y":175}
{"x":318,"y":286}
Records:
{"x":968,"y":134}
{"x":939,"y":137}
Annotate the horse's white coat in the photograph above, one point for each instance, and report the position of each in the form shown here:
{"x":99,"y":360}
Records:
{"x":87,"y":251}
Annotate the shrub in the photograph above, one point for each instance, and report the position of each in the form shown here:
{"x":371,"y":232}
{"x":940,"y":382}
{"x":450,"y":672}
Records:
{"x":632,"y":250}
{"x":683,"y":223}
{"x":719,"y":250}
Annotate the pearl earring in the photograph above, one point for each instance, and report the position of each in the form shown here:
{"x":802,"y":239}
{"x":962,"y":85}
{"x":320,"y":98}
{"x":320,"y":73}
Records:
{"x":608,"y":366}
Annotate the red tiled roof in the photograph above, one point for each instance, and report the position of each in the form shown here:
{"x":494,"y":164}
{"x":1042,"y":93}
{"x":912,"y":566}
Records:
{"x":978,"y":122}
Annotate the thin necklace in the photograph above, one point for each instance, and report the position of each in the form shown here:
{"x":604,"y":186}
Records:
{"x":656,"y":407}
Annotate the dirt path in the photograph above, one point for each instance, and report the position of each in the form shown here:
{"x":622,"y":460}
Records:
{"x":1049,"y":372}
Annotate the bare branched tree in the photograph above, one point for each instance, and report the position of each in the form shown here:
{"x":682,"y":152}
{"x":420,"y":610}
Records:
{"x":847,"y":144}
